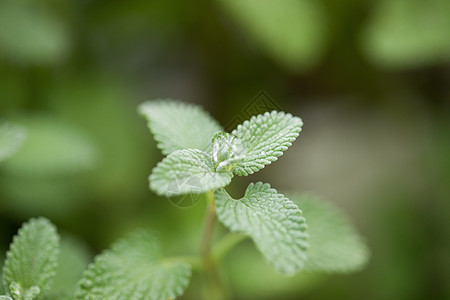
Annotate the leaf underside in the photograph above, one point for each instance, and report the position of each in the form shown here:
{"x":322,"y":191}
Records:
{"x":32,"y":258}
{"x":265,"y":137}
{"x":335,"y":245}
{"x":273,"y":222}
{"x":187,"y":171}
{"x":134,"y":269}
{"x":177,"y":125}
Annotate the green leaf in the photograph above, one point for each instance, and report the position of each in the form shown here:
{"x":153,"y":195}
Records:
{"x":335,"y":245}
{"x":5,"y":298}
{"x":52,"y":147}
{"x":177,"y":125}
{"x":30,"y":32}
{"x":408,"y":33}
{"x":187,"y":171}
{"x":134,"y":269}
{"x":31,"y":260}
{"x":273,"y":222}
{"x":11,"y":138}
{"x":291,"y":31}
{"x":265,"y":137}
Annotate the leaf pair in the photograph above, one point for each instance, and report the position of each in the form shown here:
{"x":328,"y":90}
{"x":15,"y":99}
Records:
{"x":325,"y":242}
{"x":199,"y":158}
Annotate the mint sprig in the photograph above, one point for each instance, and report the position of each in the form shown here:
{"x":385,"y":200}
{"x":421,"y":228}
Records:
{"x":194,"y":165}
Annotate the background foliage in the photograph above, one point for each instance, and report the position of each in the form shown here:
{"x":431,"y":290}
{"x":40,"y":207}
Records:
{"x":369,"y":78}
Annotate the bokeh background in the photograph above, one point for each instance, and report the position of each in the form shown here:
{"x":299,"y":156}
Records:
{"x":369,"y":78}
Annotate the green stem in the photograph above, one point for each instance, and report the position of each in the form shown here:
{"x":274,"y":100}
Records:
{"x":213,"y":286}
{"x":208,"y":227}
{"x":227,"y":243}
{"x":195,"y":262}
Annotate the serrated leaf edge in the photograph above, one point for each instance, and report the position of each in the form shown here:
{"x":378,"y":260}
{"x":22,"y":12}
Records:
{"x":11,"y":254}
{"x":278,"y":151}
{"x":174,"y":103}
{"x":266,"y":187}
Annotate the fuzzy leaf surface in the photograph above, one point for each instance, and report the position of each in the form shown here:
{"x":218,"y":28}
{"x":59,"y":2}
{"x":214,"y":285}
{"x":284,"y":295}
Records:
{"x":335,"y":245}
{"x":134,"y":269}
{"x":31,"y":260}
{"x":265,"y":137}
{"x":273,"y":221}
{"x":187,"y":171}
{"x":177,"y":125}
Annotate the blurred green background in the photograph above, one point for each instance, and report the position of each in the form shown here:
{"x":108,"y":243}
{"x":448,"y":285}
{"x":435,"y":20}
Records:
{"x":369,"y":78}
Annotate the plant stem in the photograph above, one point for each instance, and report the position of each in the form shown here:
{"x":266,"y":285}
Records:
{"x":195,"y":262}
{"x":214,"y":289}
{"x":208,"y":227}
{"x":227,"y":243}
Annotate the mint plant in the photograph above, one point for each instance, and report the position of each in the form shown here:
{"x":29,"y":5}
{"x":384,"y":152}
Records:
{"x":132,"y":269}
{"x":199,"y":161}
{"x":300,"y":233}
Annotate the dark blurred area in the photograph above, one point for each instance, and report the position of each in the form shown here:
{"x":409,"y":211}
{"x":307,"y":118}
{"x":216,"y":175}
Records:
{"x":370,"y":80}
